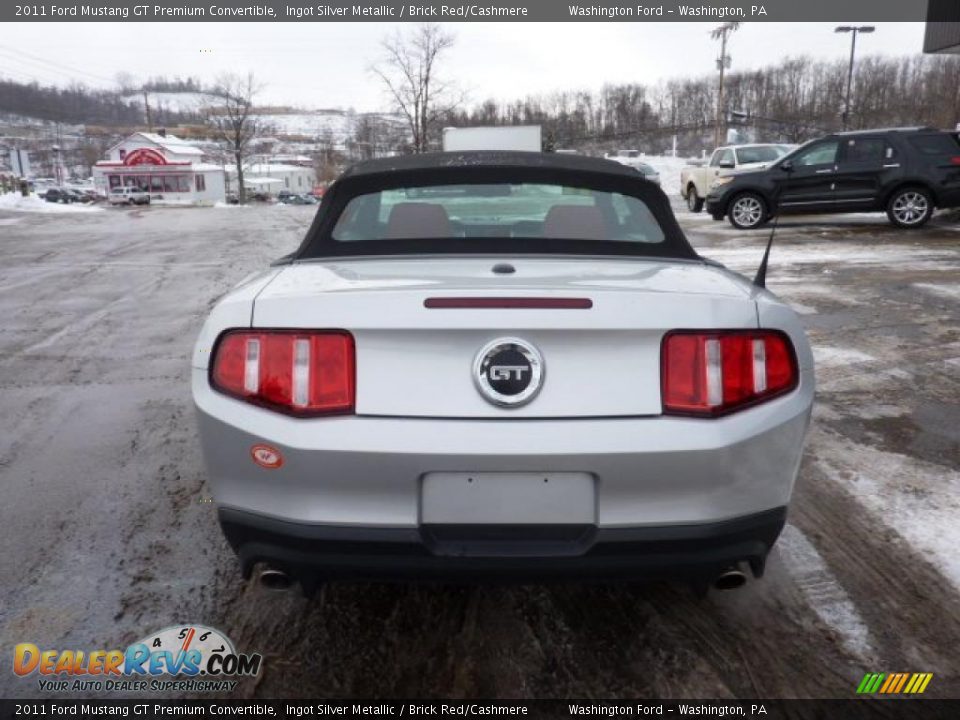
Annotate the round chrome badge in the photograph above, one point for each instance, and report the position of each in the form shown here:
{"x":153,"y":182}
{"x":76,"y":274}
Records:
{"x":508,"y":372}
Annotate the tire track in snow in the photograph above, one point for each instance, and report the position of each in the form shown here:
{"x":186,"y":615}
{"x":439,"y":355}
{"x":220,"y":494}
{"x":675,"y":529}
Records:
{"x":824,"y":593}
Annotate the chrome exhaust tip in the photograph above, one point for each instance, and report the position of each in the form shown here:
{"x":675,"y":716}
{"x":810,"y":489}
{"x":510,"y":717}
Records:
{"x":276,"y":580}
{"x":730,"y":579}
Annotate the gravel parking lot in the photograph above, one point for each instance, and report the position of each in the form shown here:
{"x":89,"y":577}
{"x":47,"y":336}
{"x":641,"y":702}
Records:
{"x":108,"y":532}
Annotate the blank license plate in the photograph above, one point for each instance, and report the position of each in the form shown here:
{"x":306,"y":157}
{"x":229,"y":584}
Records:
{"x":508,"y":498}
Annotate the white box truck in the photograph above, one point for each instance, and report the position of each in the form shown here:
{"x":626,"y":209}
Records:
{"x":508,"y":137}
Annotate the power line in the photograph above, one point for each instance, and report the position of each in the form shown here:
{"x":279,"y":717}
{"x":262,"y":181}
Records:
{"x":25,"y":57}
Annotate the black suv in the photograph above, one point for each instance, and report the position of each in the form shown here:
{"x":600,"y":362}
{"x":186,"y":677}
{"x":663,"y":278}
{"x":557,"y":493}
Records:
{"x":905,"y":171}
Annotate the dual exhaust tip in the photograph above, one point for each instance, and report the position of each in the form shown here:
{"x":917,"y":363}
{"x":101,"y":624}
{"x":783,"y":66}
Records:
{"x":276,"y":580}
{"x":730,"y":579}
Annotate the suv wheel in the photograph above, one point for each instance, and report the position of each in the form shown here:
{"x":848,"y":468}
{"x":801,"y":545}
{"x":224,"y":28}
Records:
{"x":694,"y":201}
{"x":747,"y":211}
{"x":910,"y":207}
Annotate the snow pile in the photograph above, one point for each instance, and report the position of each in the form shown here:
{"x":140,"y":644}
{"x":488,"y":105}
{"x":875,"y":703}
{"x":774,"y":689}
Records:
{"x":919,"y":500}
{"x":34,"y":204}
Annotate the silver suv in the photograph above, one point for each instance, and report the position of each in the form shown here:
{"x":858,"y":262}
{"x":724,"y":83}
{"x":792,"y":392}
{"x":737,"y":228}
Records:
{"x":129,"y":196}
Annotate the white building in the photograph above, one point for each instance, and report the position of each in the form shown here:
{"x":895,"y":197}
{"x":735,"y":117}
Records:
{"x":169,"y":168}
{"x":273,"y":177}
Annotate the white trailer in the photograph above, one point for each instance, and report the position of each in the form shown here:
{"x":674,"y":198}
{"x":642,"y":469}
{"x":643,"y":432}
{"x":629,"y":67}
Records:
{"x":511,"y":137}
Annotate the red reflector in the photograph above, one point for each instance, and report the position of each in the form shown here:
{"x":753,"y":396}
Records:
{"x":713,"y":373}
{"x":955,"y":160}
{"x":299,"y":372}
{"x":509,"y":302}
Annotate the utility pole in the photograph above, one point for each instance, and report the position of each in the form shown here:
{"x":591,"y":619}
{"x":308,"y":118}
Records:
{"x":722,"y":32}
{"x":146,"y":105}
{"x":853,"y":49}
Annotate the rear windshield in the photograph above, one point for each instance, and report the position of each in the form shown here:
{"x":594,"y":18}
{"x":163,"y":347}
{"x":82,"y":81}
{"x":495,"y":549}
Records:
{"x":477,"y":211}
{"x":939,"y":144}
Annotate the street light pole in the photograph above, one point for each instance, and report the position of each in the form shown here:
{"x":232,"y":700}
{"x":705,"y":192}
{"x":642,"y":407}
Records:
{"x":853,"y":49}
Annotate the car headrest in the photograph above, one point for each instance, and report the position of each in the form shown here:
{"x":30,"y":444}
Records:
{"x":575,"y":222}
{"x":417,"y":220}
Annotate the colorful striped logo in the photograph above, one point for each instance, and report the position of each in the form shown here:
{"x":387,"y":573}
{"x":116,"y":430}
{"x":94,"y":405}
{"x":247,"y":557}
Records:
{"x":894,"y":683}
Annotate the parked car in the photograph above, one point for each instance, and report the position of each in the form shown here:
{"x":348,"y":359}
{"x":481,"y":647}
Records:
{"x":77,"y":195}
{"x":128,"y":196}
{"x":907,"y":172}
{"x":648,"y":172}
{"x":58,"y":195}
{"x":462,"y":384}
{"x":297,"y":199}
{"x":696,"y":180}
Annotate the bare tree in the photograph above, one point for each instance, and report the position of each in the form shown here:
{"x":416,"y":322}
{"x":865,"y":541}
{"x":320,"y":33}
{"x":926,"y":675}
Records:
{"x":409,"y":72}
{"x":232,"y":118}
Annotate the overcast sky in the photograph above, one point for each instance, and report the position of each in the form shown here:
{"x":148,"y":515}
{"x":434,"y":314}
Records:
{"x":314,"y":65}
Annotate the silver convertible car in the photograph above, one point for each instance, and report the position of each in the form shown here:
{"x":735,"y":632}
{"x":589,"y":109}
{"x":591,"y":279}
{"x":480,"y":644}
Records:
{"x":495,"y":364}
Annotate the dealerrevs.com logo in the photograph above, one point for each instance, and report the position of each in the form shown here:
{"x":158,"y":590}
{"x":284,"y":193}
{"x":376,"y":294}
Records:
{"x":185,"y":658}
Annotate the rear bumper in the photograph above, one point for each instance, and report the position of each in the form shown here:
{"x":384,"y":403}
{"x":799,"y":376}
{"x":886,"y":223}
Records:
{"x":716,"y":204}
{"x":948,"y":198}
{"x":670,"y":495}
{"x":313,"y":553}
{"x":370,"y":471}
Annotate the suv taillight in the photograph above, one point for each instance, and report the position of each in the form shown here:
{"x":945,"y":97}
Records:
{"x":714,"y":373}
{"x":298,"y":372}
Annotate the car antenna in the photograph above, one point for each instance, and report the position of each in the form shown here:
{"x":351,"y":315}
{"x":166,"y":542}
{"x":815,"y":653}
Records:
{"x":760,"y":280}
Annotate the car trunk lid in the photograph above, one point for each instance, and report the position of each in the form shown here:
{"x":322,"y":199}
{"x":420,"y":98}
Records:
{"x":600,"y":358}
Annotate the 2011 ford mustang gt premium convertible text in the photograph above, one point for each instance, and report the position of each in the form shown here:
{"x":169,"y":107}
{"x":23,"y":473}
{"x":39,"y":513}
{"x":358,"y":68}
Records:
{"x":500,"y":364}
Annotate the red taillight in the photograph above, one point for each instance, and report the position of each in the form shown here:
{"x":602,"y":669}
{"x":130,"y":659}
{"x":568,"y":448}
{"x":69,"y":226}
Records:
{"x":712,"y":373}
{"x":955,"y":160}
{"x":297,"y":372}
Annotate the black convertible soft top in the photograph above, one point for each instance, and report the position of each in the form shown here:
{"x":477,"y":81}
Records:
{"x":488,"y":158}
{"x":490,"y":167}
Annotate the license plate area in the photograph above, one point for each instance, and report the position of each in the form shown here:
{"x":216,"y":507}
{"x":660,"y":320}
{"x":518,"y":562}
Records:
{"x":508,"y":498}
{"x":508,"y":514}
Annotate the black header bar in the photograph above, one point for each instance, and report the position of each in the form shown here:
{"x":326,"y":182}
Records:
{"x":149,"y":708}
{"x":469,"y":11}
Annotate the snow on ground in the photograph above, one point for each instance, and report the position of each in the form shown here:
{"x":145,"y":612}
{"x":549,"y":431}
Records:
{"x":824,"y":593}
{"x":173,"y":101}
{"x":919,"y":500}
{"x":951,"y":292}
{"x":833,"y":356}
{"x":34,"y":204}
{"x":903,"y":256}
{"x":337,"y":125}
{"x":312,"y":124}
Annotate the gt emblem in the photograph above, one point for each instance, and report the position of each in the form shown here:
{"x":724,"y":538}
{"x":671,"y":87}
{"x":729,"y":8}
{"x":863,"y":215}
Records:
{"x":508,"y":372}
{"x":505,"y":372}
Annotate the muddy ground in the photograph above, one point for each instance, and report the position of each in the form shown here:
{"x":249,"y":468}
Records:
{"x":107,"y":536}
